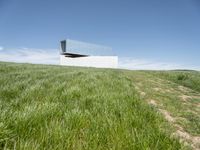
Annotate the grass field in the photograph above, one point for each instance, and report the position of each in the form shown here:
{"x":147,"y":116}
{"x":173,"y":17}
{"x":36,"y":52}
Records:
{"x":54,"y":107}
{"x":190,"y":79}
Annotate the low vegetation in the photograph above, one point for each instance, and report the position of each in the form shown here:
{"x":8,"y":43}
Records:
{"x":54,"y":107}
{"x":178,"y":103}
{"x":190,"y":79}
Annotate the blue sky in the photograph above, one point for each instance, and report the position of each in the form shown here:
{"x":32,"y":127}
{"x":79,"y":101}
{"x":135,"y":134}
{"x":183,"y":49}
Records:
{"x":156,"y":34}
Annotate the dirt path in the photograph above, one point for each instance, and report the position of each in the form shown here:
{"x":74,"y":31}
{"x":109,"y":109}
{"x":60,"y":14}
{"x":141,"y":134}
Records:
{"x":179,"y":105}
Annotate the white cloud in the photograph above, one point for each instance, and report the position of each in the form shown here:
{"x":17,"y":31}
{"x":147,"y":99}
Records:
{"x":143,"y":64}
{"x":51,"y":56}
{"x":1,"y":48}
{"x":28,"y":55}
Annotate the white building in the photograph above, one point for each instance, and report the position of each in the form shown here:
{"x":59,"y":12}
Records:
{"x":75,"y":53}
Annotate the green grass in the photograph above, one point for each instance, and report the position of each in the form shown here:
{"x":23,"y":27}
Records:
{"x":190,"y":79}
{"x":54,"y":107}
{"x":182,"y":104}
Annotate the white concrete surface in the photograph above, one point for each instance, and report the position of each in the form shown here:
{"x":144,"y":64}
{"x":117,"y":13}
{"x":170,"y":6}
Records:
{"x":90,"y":61}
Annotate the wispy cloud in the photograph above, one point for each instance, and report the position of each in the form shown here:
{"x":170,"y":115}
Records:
{"x":30,"y":55}
{"x":1,"y":48}
{"x":51,"y":56}
{"x":144,"y":64}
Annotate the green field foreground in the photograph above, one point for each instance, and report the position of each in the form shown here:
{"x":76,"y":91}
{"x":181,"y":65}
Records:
{"x":54,"y":107}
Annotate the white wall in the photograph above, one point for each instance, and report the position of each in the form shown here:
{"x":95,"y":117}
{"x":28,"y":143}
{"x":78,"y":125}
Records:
{"x":90,"y":61}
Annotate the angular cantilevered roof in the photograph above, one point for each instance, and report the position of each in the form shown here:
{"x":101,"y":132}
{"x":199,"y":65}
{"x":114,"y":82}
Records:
{"x":82,"y":48}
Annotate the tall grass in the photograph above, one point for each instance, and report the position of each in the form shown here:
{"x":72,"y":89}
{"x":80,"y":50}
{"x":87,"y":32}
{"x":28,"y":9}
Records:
{"x":52,"y":107}
{"x":189,"y":79}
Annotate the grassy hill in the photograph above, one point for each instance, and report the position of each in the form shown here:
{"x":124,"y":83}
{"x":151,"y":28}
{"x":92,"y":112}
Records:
{"x":54,"y":107}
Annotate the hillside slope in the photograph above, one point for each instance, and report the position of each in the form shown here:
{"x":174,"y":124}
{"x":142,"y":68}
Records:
{"x":54,"y":107}
{"x":179,"y":104}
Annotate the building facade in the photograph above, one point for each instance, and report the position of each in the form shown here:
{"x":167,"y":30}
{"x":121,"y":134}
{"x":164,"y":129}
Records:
{"x":76,"y":53}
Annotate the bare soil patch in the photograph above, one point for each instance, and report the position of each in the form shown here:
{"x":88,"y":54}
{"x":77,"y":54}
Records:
{"x":185,"y":97}
{"x":167,"y":115}
{"x":183,"y":89}
{"x":157,"y":89}
{"x":195,"y":140}
{"x":152,"y":102}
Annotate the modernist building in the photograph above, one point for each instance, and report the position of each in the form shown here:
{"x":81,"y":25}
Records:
{"x":76,"y":53}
